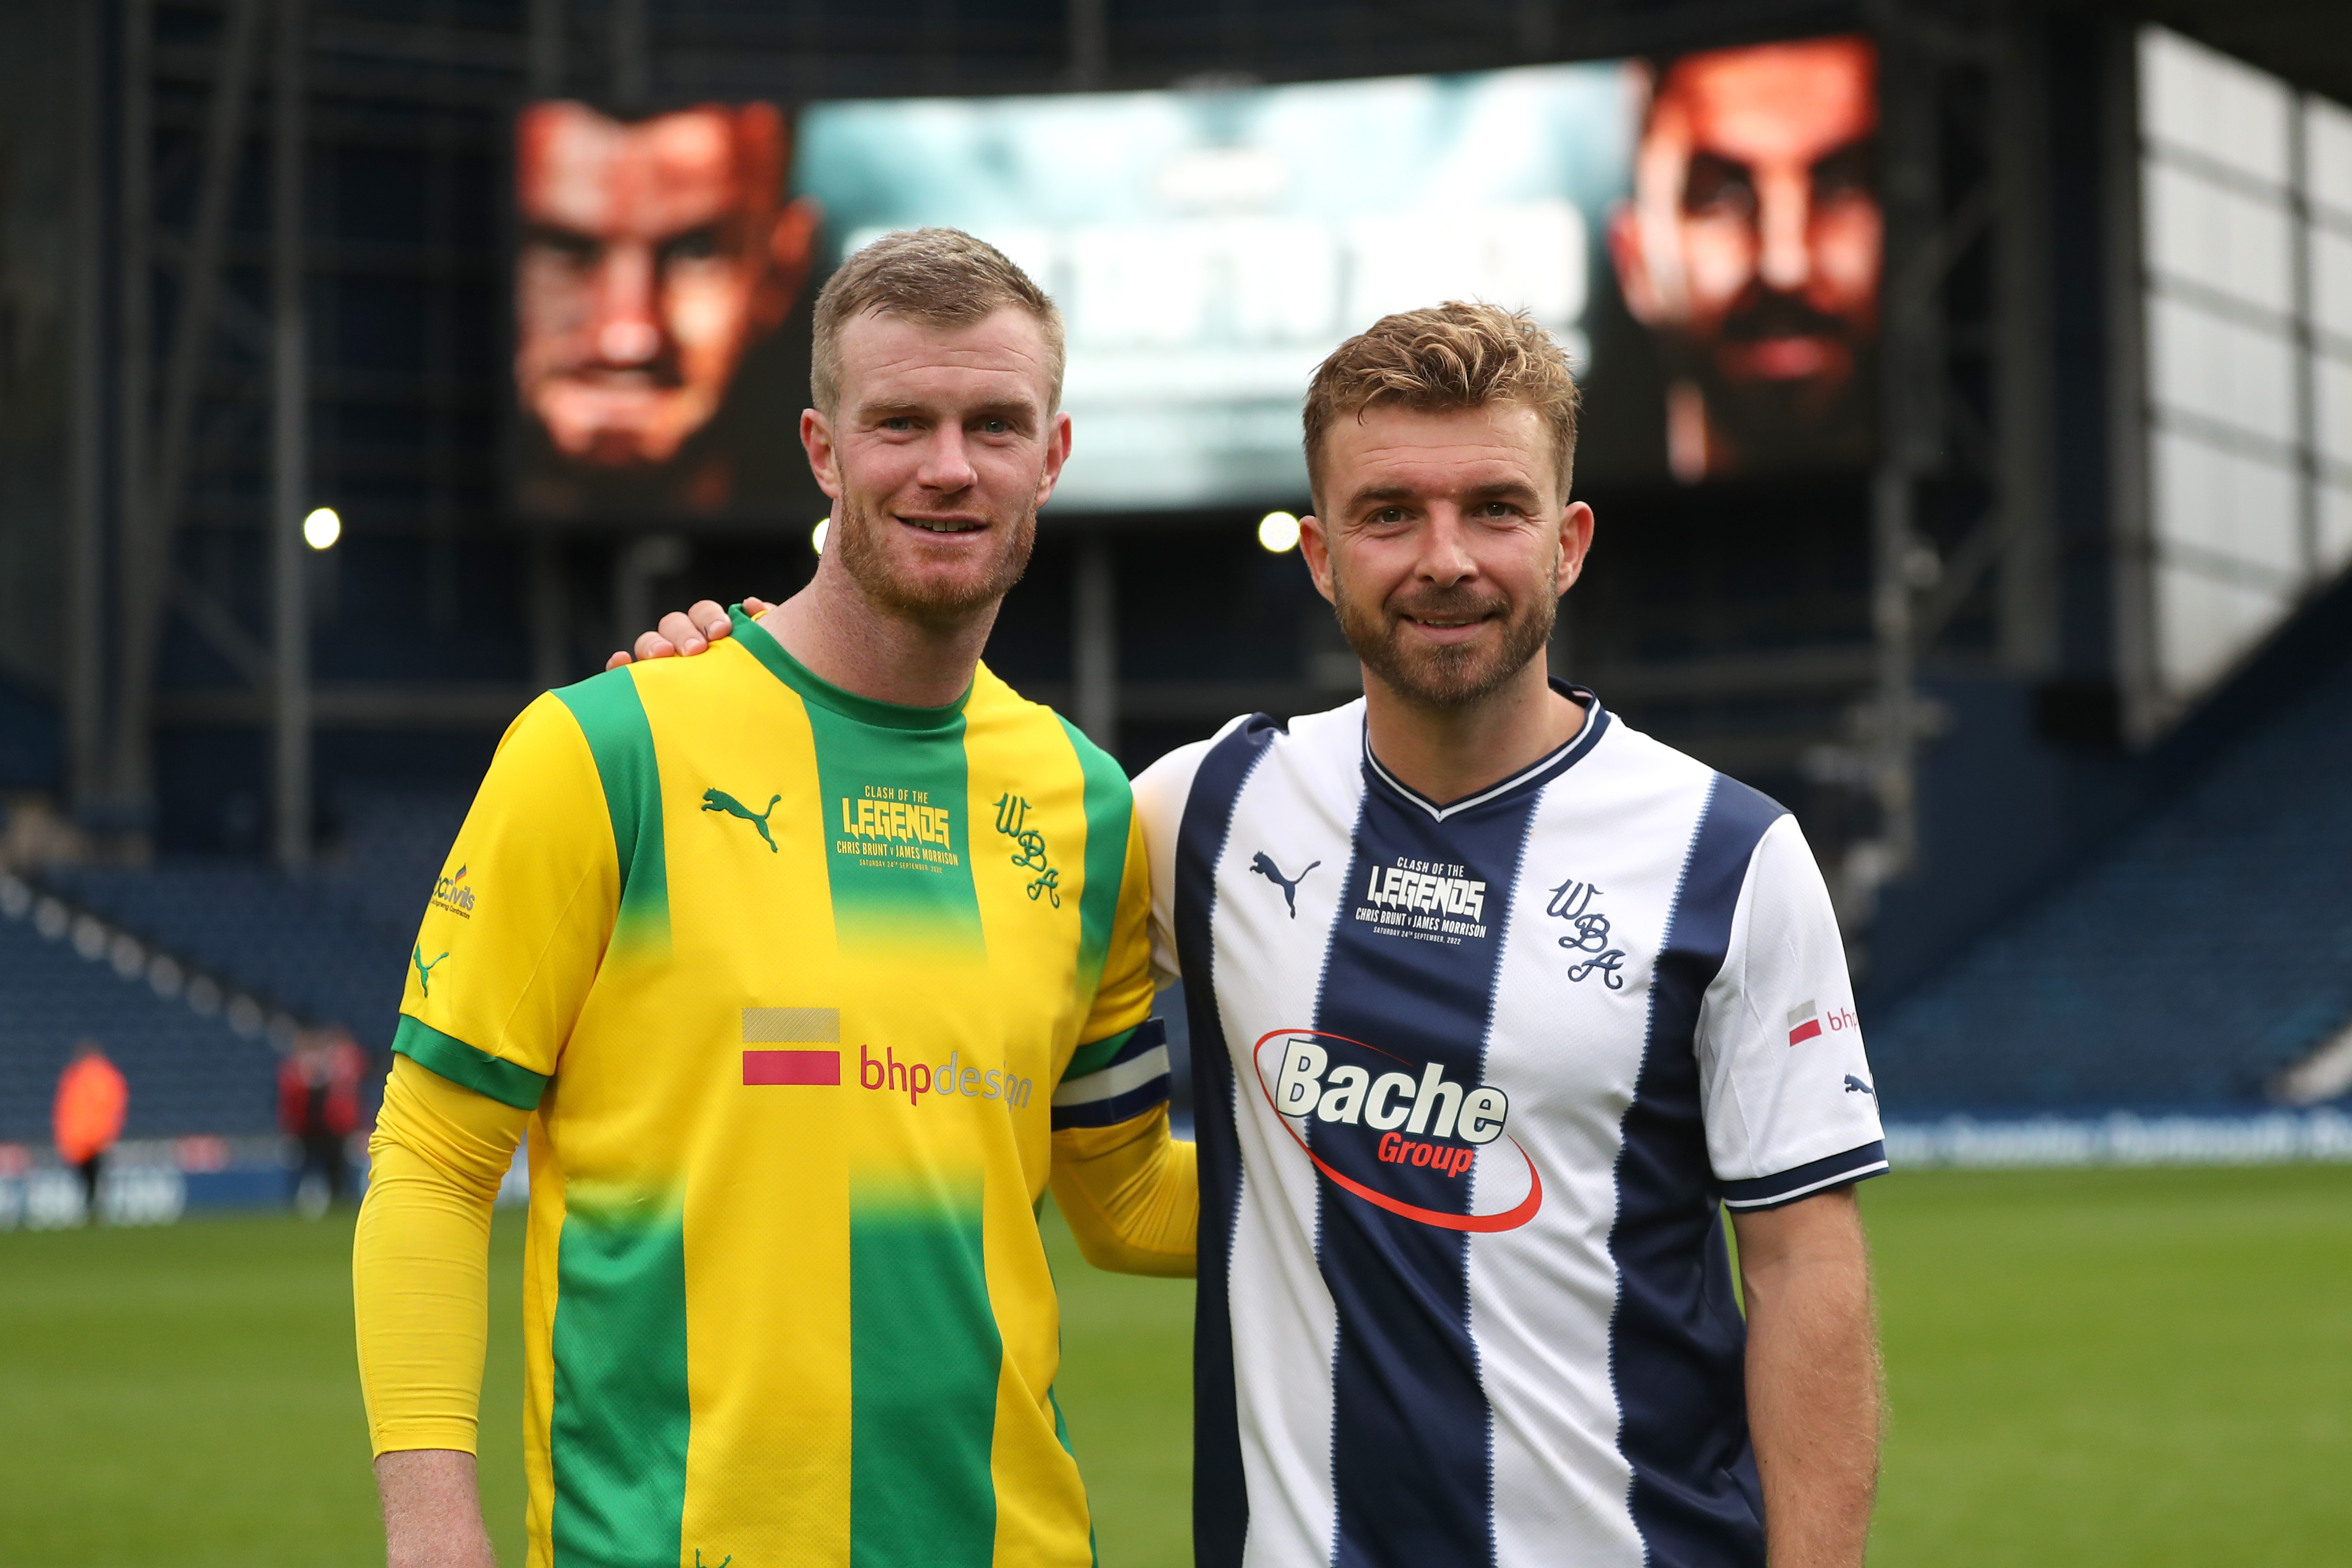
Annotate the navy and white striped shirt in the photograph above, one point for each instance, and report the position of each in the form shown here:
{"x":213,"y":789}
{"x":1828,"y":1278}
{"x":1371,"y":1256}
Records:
{"x":1472,"y":1081}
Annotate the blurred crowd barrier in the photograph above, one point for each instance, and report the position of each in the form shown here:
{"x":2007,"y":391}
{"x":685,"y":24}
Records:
{"x":2121,"y":1138}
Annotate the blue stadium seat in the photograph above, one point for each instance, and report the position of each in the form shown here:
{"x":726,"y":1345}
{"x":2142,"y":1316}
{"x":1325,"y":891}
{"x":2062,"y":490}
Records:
{"x":2185,"y":966}
{"x":188,"y":1074}
{"x":329,"y":946}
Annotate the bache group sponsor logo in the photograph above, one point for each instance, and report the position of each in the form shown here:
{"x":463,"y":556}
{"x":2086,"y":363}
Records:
{"x":1806,"y":1021}
{"x":893,"y":827}
{"x":1424,"y":900}
{"x":1417,"y":1119}
{"x":454,"y":894}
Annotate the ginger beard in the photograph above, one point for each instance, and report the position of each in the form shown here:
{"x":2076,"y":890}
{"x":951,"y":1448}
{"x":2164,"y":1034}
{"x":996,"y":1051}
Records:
{"x":1436,"y":676}
{"x":905,"y":589}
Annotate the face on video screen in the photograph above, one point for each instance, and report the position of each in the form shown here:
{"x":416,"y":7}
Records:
{"x":1750,"y":246}
{"x":654,"y":256}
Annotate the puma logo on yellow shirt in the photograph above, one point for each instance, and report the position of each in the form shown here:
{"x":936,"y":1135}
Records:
{"x":719,"y":800}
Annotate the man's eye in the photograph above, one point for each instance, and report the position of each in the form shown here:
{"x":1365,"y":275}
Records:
{"x":1498,"y":509}
{"x":1717,"y":186}
{"x":1848,"y":172}
{"x":1390,"y":514}
{"x":578,"y":251}
{"x":994,"y":427}
{"x":899,"y":422}
{"x":694,"y":244}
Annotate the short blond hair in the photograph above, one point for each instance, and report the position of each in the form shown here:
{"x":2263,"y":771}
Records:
{"x":1452,"y":357}
{"x":938,"y":277}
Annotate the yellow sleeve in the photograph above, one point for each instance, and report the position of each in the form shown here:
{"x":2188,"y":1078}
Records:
{"x":1129,"y":1190}
{"x":420,"y":1260}
{"x":1123,"y":996}
{"x":525,"y":907}
{"x":1132,"y":1194}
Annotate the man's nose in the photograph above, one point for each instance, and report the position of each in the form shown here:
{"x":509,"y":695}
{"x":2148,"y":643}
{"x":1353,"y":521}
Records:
{"x":627,"y":334}
{"x":947,"y":460}
{"x":1784,"y":221}
{"x":1446,"y":557}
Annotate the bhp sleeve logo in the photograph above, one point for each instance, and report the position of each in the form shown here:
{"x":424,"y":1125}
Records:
{"x":1806,"y":1021}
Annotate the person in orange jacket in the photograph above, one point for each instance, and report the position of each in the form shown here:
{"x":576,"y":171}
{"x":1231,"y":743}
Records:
{"x":88,"y":1117}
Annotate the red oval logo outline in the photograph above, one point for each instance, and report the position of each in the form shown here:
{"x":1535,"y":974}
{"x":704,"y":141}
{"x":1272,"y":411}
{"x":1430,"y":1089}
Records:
{"x":1509,"y":1219}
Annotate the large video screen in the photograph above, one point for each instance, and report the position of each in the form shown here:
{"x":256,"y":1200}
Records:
{"x":1703,"y":234}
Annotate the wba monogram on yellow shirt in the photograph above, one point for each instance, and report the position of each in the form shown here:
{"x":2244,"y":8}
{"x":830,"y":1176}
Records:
{"x":790,"y":1036}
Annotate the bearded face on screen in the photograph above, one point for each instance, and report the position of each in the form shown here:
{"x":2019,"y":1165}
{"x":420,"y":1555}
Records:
{"x":655,"y":254}
{"x":1751,"y":247}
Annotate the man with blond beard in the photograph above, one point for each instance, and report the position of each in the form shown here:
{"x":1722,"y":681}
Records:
{"x":1529,"y":1000}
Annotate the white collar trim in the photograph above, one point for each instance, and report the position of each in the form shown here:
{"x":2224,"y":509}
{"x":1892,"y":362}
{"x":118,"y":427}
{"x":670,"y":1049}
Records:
{"x":1440,"y":813}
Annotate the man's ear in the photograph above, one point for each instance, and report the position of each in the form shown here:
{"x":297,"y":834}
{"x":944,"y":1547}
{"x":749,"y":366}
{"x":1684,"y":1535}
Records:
{"x":1575,"y":544}
{"x":1057,"y":452}
{"x":1316,"y":545}
{"x":816,"y":440}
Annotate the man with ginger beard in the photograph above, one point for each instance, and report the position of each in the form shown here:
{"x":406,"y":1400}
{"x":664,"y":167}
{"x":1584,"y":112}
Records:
{"x":1751,"y":250}
{"x":656,"y":258}
{"x":807,"y":965}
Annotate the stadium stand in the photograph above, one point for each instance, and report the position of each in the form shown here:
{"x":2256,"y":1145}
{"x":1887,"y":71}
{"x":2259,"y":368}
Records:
{"x":329,"y":947}
{"x":189,"y":1073}
{"x":2185,"y":966}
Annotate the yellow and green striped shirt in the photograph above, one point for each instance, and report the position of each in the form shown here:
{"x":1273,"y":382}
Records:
{"x":790,"y":979}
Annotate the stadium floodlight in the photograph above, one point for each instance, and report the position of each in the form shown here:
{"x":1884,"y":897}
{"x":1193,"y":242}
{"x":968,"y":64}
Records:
{"x":1278,"y":532}
{"x":816,"y":535}
{"x":321,"y":529}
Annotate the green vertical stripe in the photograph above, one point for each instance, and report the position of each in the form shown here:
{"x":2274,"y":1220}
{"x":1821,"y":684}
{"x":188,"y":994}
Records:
{"x":1110,"y":804}
{"x":906,"y":880}
{"x":613,"y":718}
{"x":1062,"y":1435}
{"x":924,"y":1356}
{"x":618,"y":1432}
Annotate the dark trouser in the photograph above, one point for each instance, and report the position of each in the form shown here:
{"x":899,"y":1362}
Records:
{"x":324,"y":1152}
{"x":91,"y":1170}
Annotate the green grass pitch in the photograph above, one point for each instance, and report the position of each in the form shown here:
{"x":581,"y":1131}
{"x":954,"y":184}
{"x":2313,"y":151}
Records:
{"x":2128,"y":1367}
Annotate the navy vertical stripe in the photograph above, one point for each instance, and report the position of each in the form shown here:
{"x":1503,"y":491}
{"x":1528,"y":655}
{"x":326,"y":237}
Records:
{"x":1676,"y":1342}
{"x":1412,"y":1433}
{"x":1220,"y":1493}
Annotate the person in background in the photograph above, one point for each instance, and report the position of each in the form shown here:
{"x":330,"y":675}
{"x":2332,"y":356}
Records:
{"x":654,"y":255}
{"x":88,"y":1117}
{"x":1750,"y":248}
{"x":319,"y":1109}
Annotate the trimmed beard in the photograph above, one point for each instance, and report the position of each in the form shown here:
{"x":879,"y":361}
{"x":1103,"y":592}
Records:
{"x":871,"y":567}
{"x":1442,"y":676}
